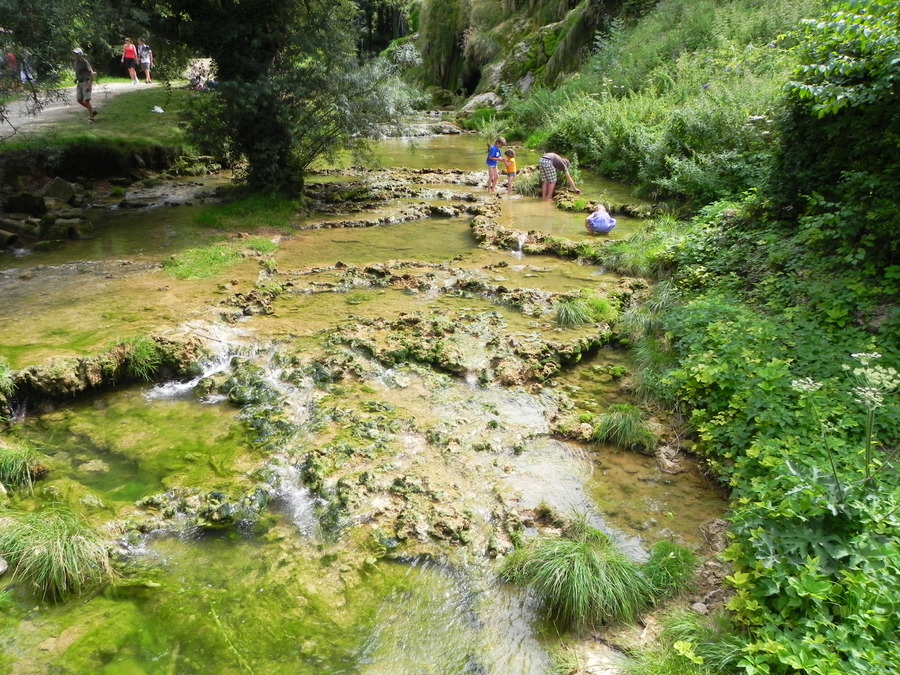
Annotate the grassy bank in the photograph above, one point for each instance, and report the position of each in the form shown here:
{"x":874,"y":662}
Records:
{"x":127,"y":136}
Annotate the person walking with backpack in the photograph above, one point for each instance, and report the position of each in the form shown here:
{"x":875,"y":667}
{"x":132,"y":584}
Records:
{"x":145,"y":57}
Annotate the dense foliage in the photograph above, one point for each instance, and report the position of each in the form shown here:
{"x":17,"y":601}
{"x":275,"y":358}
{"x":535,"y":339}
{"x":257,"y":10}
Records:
{"x":683,"y":104}
{"x":775,"y":330}
{"x":785,"y":359}
{"x":289,"y":85}
{"x":846,"y":88}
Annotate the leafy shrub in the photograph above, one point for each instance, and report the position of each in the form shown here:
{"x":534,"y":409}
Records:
{"x":582,"y":578}
{"x":481,"y":118}
{"x":623,"y":426}
{"x":53,"y":553}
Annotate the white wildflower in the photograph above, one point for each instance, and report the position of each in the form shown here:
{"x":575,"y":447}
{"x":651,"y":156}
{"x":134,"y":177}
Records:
{"x":806,"y":384}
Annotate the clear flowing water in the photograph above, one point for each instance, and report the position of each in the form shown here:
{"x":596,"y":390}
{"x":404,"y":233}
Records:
{"x":291,"y":598}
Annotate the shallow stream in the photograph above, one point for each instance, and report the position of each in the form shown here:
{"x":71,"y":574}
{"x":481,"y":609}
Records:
{"x":433,"y":459}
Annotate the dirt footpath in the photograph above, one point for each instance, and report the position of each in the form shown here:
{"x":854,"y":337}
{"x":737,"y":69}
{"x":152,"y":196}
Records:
{"x":19,"y":116}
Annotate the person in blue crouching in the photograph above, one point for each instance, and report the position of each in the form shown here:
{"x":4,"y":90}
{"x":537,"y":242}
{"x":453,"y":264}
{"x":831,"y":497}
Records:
{"x":599,"y":222}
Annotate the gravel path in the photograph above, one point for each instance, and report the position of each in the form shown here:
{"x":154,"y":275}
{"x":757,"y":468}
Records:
{"x":19,"y":117}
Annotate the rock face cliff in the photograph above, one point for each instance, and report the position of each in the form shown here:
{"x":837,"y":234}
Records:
{"x":475,"y":47}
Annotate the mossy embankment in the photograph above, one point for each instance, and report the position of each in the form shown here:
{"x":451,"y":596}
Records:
{"x":127,"y":139}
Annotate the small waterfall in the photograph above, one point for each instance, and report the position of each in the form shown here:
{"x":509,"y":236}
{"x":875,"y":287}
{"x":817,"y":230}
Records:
{"x":296,"y":501}
{"x":223,"y":344}
{"x":521,"y":238}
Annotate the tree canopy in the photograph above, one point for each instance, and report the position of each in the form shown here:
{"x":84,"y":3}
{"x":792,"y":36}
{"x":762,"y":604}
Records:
{"x":292,"y":85}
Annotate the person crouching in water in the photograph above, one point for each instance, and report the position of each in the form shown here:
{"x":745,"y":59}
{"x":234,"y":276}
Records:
{"x":494,"y":156}
{"x":599,"y":222}
{"x":510,"y":162}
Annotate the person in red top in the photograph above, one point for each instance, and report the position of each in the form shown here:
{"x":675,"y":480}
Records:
{"x":129,"y":56}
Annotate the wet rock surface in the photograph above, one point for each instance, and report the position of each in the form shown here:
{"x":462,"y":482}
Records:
{"x":421,"y":425}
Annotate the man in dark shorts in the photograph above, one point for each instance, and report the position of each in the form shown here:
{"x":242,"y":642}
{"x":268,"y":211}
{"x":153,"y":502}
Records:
{"x":549,"y":166}
{"x":84,"y":83}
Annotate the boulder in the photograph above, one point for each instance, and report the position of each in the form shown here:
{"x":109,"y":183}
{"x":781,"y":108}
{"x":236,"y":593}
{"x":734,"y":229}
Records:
{"x":26,"y":202}
{"x":66,"y":228}
{"x":486,"y":100}
{"x":8,"y":239}
{"x":60,"y":189}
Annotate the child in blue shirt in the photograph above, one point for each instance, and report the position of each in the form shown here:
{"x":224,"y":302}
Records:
{"x":494,"y":156}
{"x":599,"y":222}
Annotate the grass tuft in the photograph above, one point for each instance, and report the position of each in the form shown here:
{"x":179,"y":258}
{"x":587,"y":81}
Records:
{"x":21,"y":466}
{"x":582,"y":578}
{"x":144,"y":357}
{"x":623,"y":426}
{"x":670,"y":569}
{"x":572,"y":312}
{"x":53,"y":553}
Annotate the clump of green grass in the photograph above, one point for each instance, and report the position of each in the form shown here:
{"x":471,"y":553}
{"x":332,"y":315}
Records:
{"x":670,"y":569}
{"x":202,"y":263}
{"x":600,"y":308}
{"x":528,"y":184}
{"x":53,"y":553}
{"x":250,"y":213}
{"x":143,"y":357}
{"x":262,"y":245}
{"x":623,"y":426}
{"x":582,"y":578}
{"x":714,"y":637}
{"x":691,"y":644}
{"x":21,"y":466}
{"x":572,"y":312}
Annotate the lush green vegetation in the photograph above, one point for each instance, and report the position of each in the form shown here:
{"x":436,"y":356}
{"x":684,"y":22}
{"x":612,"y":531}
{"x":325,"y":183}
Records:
{"x":249,"y":213}
{"x":691,"y":644}
{"x":304,"y":90}
{"x":204,"y":262}
{"x":53,"y":553}
{"x":774,"y":327}
{"x":585,"y":581}
{"x":682,"y":104}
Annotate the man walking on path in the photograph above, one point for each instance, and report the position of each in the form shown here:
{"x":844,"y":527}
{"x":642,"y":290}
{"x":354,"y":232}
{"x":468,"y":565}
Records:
{"x":84,"y":83}
{"x":145,"y":56}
